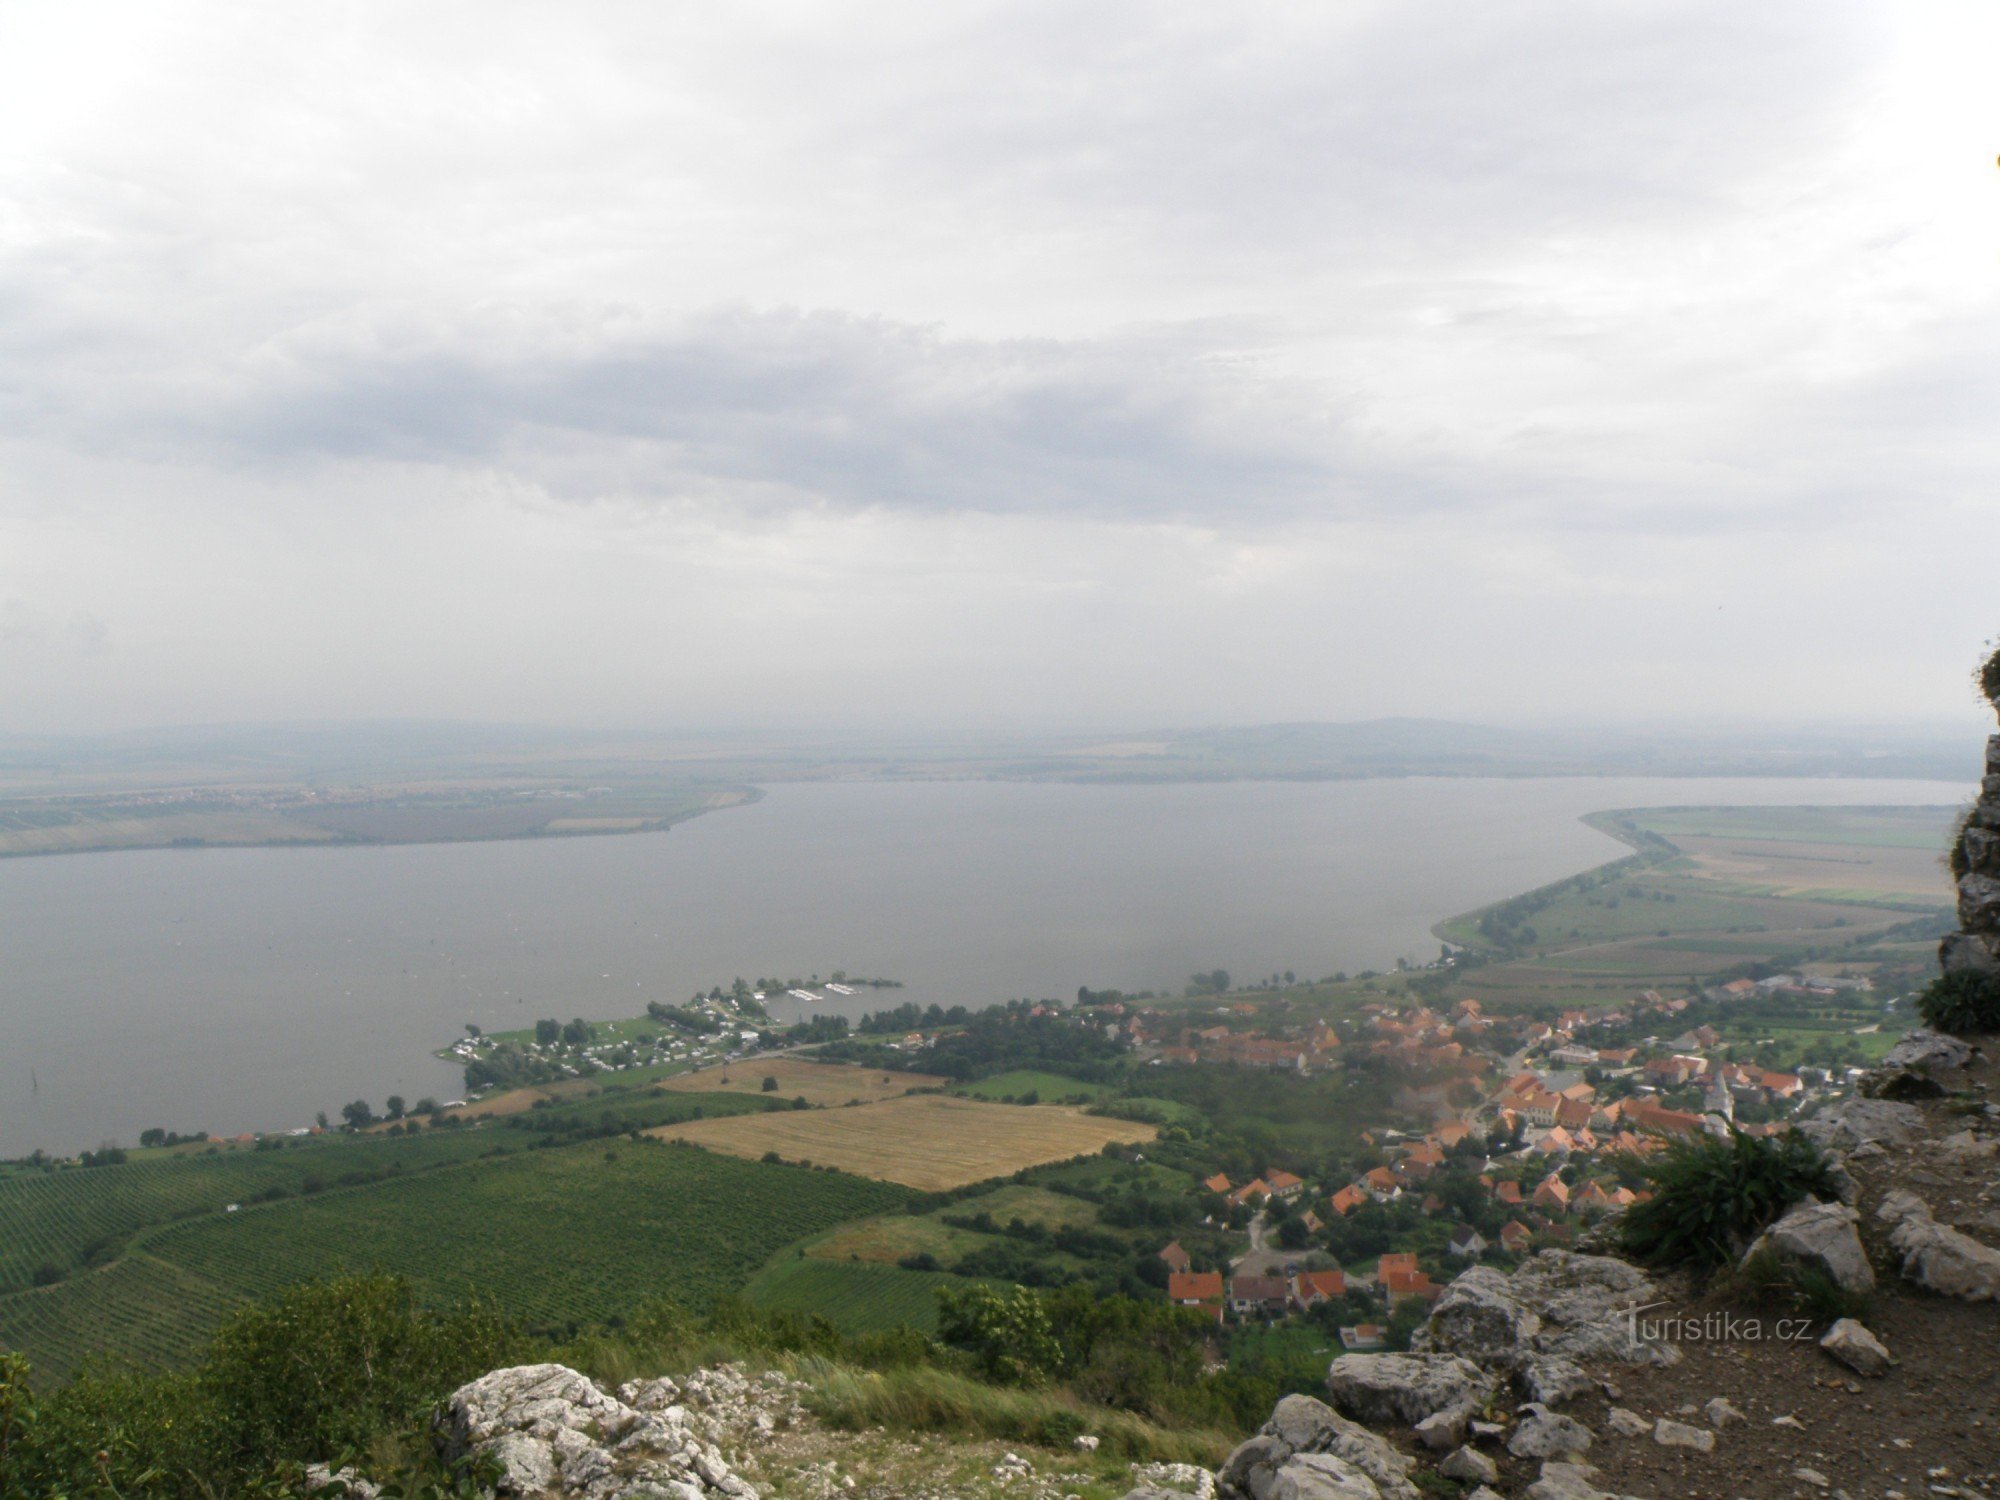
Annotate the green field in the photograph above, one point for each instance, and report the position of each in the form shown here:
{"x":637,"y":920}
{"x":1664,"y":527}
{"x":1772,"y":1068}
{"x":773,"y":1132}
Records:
{"x":855,"y":1297}
{"x":1926,"y":828}
{"x":571,"y":1235}
{"x":1051,"y":1088}
{"x":59,"y":1219}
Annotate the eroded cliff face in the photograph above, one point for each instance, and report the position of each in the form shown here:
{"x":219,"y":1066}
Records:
{"x":1976,"y":945}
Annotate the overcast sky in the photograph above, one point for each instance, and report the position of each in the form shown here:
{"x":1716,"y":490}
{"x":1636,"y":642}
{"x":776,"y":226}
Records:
{"x":996,"y":366}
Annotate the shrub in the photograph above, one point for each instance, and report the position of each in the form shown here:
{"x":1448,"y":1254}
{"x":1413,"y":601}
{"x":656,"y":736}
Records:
{"x":327,"y":1367}
{"x":1962,"y":1003}
{"x":1988,"y":678}
{"x":1766,"y":1278}
{"x":1711,"y":1195}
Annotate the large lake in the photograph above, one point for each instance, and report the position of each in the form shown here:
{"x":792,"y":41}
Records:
{"x":234,"y":990}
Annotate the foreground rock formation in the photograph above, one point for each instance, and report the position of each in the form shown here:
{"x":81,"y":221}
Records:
{"x":1976,"y":945}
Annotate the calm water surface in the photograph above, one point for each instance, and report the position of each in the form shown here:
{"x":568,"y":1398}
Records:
{"x":246,"y":989}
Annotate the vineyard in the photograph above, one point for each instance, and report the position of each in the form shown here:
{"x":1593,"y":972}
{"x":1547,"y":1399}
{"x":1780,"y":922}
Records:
{"x":59,"y":1221}
{"x":557,"y":1237}
{"x":138,"y":1310}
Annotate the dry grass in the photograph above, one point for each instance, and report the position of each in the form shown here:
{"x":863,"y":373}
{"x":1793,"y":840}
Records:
{"x":887,"y":1238}
{"x":817,"y":1082}
{"x":925,"y":1141}
{"x":1796,"y":869}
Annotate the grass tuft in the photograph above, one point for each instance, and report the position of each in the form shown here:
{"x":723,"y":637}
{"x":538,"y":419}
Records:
{"x":1712,"y":1195}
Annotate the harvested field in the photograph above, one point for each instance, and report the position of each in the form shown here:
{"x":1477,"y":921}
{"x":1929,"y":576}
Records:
{"x":818,"y":1083}
{"x":1797,"y":869}
{"x":927,"y":1141}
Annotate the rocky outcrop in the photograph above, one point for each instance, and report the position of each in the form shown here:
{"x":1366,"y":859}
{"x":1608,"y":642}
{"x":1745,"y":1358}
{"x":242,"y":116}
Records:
{"x":1936,"y":1256}
{"x":1407,"y":1388}
{"x":1853,"y":1122}
{"x":1308,"y":1450}
{"x":1557,"y":1309}
{"x":1546,"y":1434}
{"x":1824,"y":1237}
{"x":550,"y":1431}
{"x":1928,"y":1051}
{"x":1975,"y":948}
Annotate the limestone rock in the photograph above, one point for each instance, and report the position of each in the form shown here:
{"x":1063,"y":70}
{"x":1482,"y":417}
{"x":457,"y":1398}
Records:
{"x":1857,"y":1348}
{"x":1928,"y":1051}
{"x":1162,"y":1481}
{"x":1965,"y":1147}
{"x":1627,"y":1423}
{"x":551,"y":1431}
{"x":1566,"y":1481}
{"x":1552,"y":1379}
{"x":1556,"y":1303}
{"x":1936,"y":1256}
{"x":1721,"y":1412}
{"x":1471,"y":1466}
{"x":1825,"y":1237}
{"x":1979,"y":903}
{"x":1085,"y":1443}
{"x":1322,"y":1476}
{"x":1856,"y":1121}
{"x":1680,"y":1435}
{"x":1968,"y":953}
{"x":1479,"y":1316}
{"x":1443,"y":1429}
{"x":1407,"y":1388}
{"x":1547,"y":1434}
{"x":1300,"y":1425}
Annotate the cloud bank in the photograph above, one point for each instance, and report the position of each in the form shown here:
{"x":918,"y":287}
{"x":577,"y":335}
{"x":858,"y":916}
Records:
{"x":995,"y":365}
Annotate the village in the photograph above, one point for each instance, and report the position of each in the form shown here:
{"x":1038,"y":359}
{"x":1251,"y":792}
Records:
{"x":1537,"y":1129}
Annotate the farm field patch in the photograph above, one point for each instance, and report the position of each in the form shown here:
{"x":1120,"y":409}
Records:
{"x":818,"y":1083}
{"x":856,"y":1299}
{"x":1053,"y":1088}
{"x":926,"y":1141}
{"x":569,"y":1235}
{"x":54,"y":1220}
{"x":886,"y":1239}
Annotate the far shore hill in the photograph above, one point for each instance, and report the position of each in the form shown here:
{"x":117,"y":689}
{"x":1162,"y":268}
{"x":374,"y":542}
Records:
{"x":423,"y":783}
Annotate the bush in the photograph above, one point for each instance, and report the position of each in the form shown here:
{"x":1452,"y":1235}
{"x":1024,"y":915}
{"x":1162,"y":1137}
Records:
{"x":1712,"y":1195}
{"x":1962,"y":1003}
{"x":327,"y":1367}
{"x":1767,"y":1278}
{"x":1988,"y":678}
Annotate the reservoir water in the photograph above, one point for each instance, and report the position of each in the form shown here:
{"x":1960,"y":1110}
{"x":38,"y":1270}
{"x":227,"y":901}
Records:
{"x":246,"y":989}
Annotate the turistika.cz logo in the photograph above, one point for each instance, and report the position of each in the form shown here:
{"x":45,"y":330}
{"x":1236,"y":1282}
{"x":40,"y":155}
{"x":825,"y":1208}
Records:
{"x":1710,"y":1327}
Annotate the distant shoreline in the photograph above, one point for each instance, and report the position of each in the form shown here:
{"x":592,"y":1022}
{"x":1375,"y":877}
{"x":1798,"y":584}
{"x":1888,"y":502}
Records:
{"x":314,"y":836}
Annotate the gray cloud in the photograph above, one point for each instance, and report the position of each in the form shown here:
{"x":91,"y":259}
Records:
{"x":1275,"y":361}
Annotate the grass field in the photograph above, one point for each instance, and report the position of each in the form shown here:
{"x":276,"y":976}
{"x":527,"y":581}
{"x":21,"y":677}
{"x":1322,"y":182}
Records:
{"x":926,"y":1141}
{"x":817,"y":1083}
{"x":887,"y":1238}
{"x":855,"y":1298}
{"x":556,"y":1237}
{"x":1051,"y":1088}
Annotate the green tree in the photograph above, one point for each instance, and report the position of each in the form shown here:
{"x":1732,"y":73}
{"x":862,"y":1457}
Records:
{"x":393,"y":1106}
{"x":357,"y":1114}
{"x":548,"y":1032}
{"x":1007,"y":1334}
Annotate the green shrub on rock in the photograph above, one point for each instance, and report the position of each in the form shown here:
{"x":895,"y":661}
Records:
{"x":1963,"y":1004}
{"x":1712,"y":1195}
